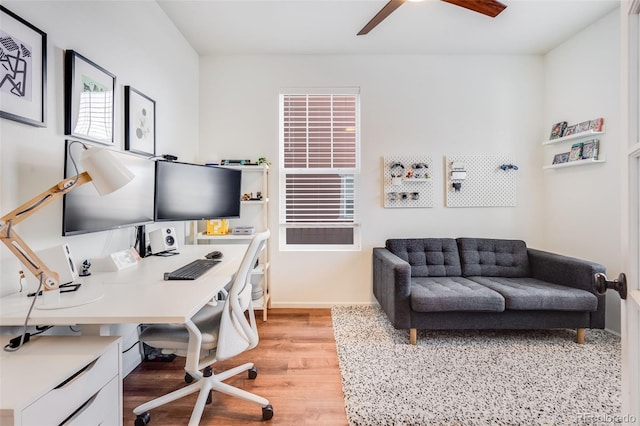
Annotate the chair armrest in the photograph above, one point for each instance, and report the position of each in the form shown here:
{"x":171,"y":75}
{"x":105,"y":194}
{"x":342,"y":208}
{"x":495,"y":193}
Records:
{"x":392,"y":286}
{"x":564,"y":270}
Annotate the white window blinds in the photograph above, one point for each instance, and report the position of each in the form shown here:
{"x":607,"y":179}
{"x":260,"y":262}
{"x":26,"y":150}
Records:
{"x":319,"y":166}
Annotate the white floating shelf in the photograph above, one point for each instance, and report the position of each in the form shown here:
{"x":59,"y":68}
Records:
{"x":573,"y":163}
{"x":581,"y":135}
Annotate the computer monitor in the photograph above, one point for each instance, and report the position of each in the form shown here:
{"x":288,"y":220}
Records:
{"x":84,"y":210}
{"x":187,"y":191}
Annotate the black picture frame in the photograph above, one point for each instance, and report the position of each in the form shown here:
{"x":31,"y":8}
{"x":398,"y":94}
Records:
{"x":23,"y":74}
{"x":89,"y":99}
{"x":139,"y":122}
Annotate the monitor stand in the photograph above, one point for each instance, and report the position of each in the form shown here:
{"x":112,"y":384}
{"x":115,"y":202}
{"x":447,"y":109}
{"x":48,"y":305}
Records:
{"x":141,"y":238}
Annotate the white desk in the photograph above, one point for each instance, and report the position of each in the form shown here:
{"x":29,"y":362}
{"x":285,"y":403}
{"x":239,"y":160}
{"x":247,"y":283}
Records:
{"x":133,"y":295}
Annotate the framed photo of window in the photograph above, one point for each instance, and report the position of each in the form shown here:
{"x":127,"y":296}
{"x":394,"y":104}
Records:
{"x":89,"y":99}
{"x":23,"y":70}
{"x":139,"y":122}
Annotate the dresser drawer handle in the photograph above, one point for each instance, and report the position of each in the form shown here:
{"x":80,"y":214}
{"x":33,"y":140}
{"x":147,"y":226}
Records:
{"x":76,"y":374}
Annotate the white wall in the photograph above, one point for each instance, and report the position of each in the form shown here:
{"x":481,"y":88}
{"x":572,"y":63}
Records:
{"x":411,"y":105}
{"x":136,"y":42}
{"x":581,"y":204}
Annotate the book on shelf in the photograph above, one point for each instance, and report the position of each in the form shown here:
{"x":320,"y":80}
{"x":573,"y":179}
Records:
{"x":557,"y":131}
{"x":570,"y":130}
{"x":590,"y":149}
{"x":561,"y":158}
{"x":596,"y":125}
{"x":583,"y":127}
{"x":576,"y":151}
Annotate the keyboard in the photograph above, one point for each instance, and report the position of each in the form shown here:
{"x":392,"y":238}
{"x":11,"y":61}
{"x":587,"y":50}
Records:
{"x":191,"y":271}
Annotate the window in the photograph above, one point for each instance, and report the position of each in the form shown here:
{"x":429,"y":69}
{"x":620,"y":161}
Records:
{"x":319,"y":166}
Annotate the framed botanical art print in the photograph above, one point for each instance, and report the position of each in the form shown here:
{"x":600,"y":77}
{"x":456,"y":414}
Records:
{"x":89,"y":99}
{"x":23,"y":70}
{"x":139,"y":122}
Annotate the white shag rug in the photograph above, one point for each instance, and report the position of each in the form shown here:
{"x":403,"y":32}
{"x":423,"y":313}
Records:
{"x":506,"y":377}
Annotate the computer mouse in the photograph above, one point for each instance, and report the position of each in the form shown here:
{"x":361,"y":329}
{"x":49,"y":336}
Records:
{"x":214,"y":255}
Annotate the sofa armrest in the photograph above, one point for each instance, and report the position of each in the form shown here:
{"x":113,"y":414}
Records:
{"x":570,"y":272}
{"x":564,"y":270}
{"x":392,"y":286}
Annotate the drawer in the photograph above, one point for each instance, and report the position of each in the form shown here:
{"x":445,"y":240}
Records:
{"x":62,"y":401}
{"x":102,"y":409}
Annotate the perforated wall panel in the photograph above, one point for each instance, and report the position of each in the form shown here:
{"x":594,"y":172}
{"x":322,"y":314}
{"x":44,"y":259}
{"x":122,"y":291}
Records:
{"x":402,"y":189}
{"x":486,"y":183}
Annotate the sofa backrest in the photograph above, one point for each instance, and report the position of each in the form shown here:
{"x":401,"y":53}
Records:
{"x":493,"y":258}
{"x":428,"y":257}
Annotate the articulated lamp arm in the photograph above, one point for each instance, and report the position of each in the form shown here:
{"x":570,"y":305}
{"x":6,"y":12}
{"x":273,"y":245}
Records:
{"x":18,"y":247}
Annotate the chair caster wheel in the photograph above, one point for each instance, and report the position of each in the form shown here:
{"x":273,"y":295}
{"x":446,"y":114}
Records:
{"x":188,"y":378}
{"x":144,"y":418}
{"x":267,"y":412}
{"x":253,"y":373}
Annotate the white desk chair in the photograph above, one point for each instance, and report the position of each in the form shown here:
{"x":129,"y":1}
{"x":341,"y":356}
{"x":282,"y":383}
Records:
{"x":215,"y":333}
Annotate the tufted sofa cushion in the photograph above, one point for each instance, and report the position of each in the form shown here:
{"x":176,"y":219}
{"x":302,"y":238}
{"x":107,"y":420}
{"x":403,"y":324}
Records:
{"x":530,"y":294}
{"x":453,"y":294}
{"x":428,"y":257}
{"x":493,"y":258}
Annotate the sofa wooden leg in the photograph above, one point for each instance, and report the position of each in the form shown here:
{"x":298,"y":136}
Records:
{"x":580,"y":335}
{"x":413,"y":336}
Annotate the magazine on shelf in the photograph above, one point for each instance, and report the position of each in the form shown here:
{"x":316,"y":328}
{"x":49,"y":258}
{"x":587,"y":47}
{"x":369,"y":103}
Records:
{"x":590,"y":149}
{"x":557,"y":131}
{"x":576,"y":151}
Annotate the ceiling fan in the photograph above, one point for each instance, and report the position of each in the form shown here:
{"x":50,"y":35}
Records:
{"x":490,"y":8}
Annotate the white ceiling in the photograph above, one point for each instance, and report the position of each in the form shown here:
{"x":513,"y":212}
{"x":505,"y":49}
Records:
{"x":330,"y":26}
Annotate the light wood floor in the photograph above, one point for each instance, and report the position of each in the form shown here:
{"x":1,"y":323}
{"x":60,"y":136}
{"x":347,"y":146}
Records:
{"x":297,"y":372}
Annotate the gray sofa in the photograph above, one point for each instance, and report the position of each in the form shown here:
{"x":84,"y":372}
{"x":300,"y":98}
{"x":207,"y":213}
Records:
{"x":480,"y":283}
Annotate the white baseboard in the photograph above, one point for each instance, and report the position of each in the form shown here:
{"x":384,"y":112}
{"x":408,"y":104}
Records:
{"x":314,"y":305}
{"x":612,"y":331}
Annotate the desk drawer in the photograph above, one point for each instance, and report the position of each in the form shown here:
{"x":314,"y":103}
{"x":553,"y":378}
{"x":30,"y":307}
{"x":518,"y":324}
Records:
{"x":62,"y":401}
{"x":101,"y":409}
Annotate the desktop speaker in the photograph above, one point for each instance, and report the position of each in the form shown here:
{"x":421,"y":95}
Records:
{"x":163,"y":239}
{"x":60,"y":260}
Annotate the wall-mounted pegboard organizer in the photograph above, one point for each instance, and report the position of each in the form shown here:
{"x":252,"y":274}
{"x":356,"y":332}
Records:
{"x":488,"y":181}
{"x":406,"y":184}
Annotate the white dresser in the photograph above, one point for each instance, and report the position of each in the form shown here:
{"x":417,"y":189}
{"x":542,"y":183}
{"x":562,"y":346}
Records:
{"x":70,"y":380}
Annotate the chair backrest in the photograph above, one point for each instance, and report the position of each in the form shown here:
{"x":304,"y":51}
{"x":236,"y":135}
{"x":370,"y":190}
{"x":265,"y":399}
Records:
{"x":237,"y":333}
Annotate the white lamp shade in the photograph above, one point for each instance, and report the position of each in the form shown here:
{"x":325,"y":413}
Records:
{"x":107,"y":173}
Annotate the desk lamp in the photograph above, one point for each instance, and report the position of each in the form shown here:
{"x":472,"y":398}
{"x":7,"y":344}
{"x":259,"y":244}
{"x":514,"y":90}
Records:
{"x":107,"y":175}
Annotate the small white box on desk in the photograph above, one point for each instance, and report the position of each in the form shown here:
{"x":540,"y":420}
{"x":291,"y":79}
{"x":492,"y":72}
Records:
{"x":116,"y":261}
{"x":243,"y":230}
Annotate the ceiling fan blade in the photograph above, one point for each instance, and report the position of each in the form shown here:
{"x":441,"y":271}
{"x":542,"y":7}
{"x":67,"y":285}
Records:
{"x":486,"y":7}
{"x":380,"y":16}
